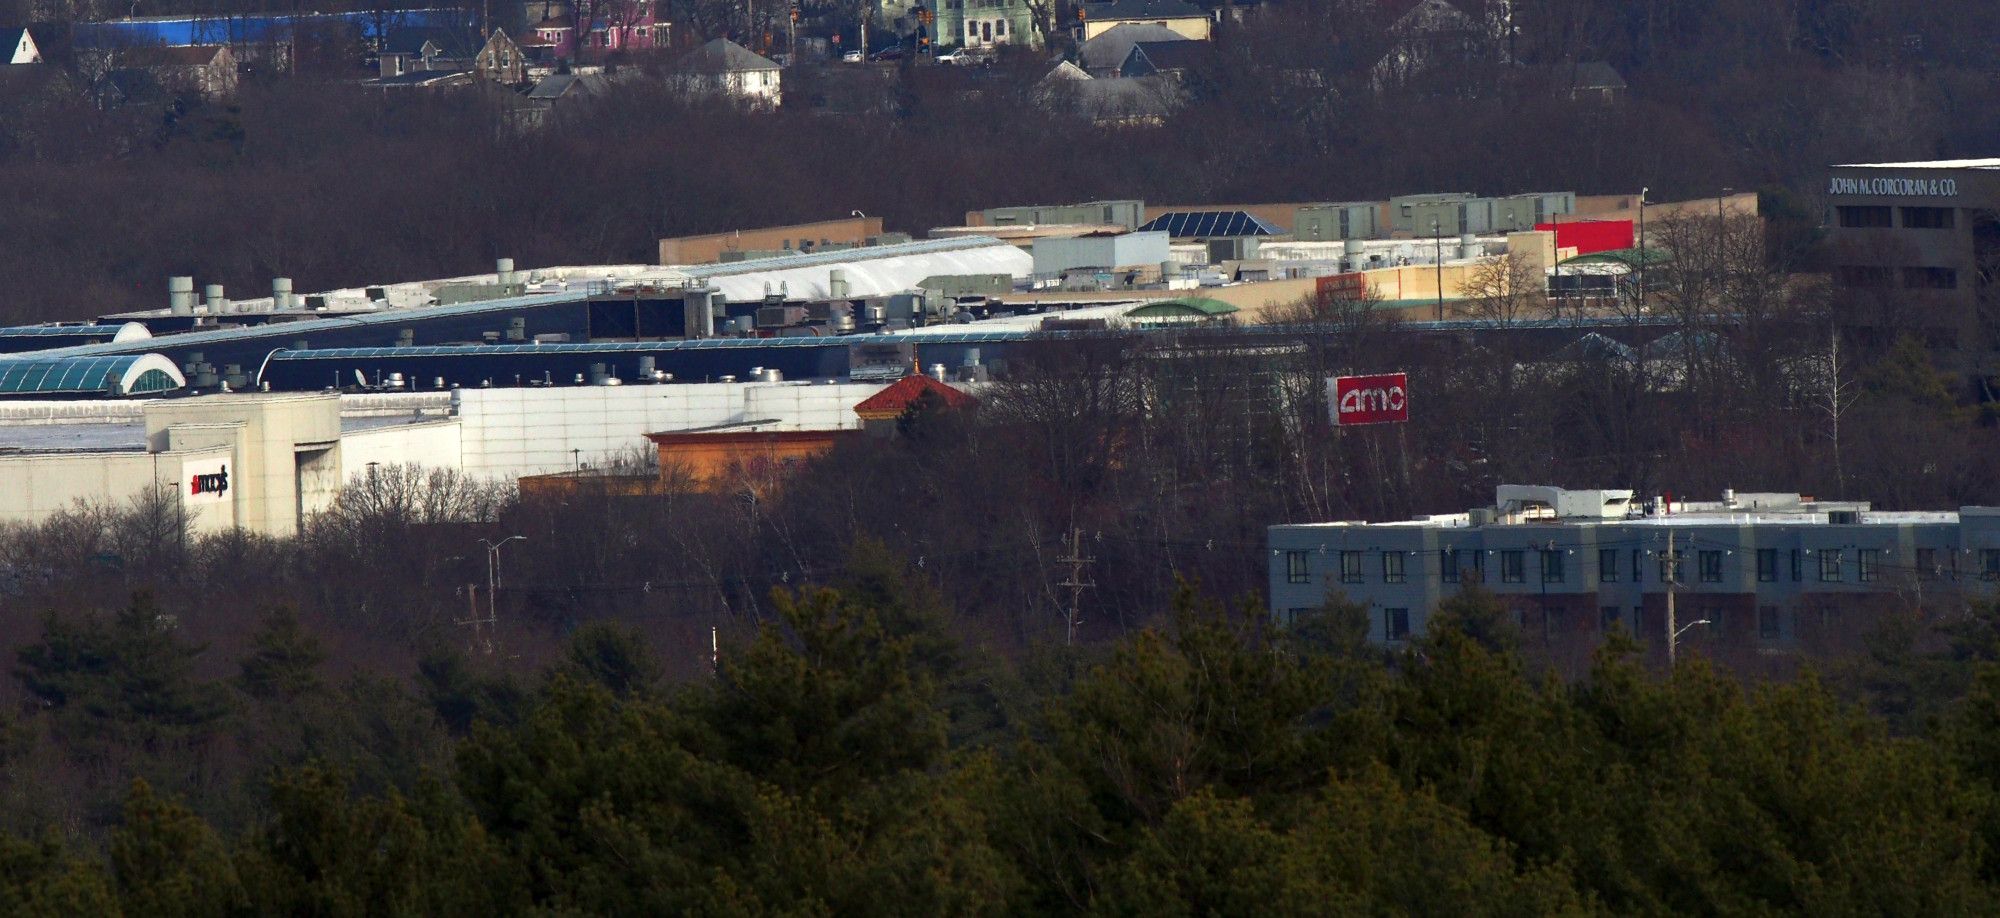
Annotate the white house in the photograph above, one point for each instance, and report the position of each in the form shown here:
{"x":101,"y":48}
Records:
{"x":726,"y":68}
{"x":18,"y":47}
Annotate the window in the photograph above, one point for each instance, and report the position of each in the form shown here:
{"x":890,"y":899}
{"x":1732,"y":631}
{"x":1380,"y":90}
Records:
{"x":1930,"y":278}
{"x":1711,"y":566}
{"x":1296,"y":567}
{"x":1639,"y":621}
{"x":1392,"y":567}
{"x":1350,"y":567}
{"x":1829,"y":564}
{"x":1552,"y":567}
{"x":1448,"y":565}
{"x":972,"y":28}
{"x":1829,"y":618}
{"x":1670,"y":568}
{"x":1865,"y":276}
{"x":1868,"y":561}
{"x":1292,"y":615}
{"x":1607,"y":565}
{"x":1928,"y":217}
{"x":1927,"y":564}
{"x":1989,"y":564}
{"x":1767,"y":623}
{"x":1767,"y":565}
{"x":1864,"y":216}
{"x":1798,"y":565}
{"x":1609,"y":618}
{"x":1000,"y":28}
{"x":1396,"y":624}
{"x":1714,"y":616}
{"x":1511,"y":567}
{"x":1638,"y":566}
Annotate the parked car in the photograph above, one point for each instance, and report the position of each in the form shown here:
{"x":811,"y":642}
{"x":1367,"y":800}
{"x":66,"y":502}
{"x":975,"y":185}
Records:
{"x":955,"y":56}
{"x":889,"y":54}
{"x":851,"y":57}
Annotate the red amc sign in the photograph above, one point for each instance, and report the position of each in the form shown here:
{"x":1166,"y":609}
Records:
{"x":1379,"y":399}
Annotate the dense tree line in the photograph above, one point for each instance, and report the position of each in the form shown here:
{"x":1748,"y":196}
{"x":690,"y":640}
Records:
{"x":851,"y":756}
{"x":318,"y":179}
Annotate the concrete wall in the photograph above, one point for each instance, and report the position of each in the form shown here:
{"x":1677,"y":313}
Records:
{"x":281,"y":442}
{"x":436,"y":443}
{"x":703,"y":249}
{"x":510,"y":433}
{"x":1054,"y":256}
{"x":35,"y":485}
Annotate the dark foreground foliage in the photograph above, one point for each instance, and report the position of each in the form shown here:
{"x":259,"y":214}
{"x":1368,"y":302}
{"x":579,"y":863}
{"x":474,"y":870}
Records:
{"x":852,"y":759}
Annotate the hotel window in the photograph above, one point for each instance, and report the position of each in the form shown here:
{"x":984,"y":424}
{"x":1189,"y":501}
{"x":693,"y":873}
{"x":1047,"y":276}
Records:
{"x":1869,"y":561}
{"x":1714,"y":615}
{"x":1767,"y":565}
{"x":1989,"y":563}
{"x":1512,"y":569}
{"x":1829,"y":564}
{"x":1639,"y":622}
{"x":1711,"y":567}
{"x":1552,"y":567}
{"x":1396,"y":624}
{"x":1296,"y":569}
{"x":1295,"y":613}
{"x":1607,"y":565}
{"x":1350,"y":567}
{"x":1865,"y":276}
{"x":1392,"y":567}
{"x":1448,"y":565}
{"x":1767,"y":623}
{"x":1671,"y":568}
{"x":1798,"y":565}
{"x":1864,"y":216}
{"x":1928,"y":217}
{"x":1927,"y":564}
{"x":1608,"y":616}
{"x":1930,"y":278}
{"x":1638,"y":566}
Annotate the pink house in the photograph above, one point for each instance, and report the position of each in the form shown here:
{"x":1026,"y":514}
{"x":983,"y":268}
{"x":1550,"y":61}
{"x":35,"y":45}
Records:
{"x":620,"y":25}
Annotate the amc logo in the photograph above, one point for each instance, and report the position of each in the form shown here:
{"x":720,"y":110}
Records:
{"x":216,"y":484}
{"x":1379,"y":399}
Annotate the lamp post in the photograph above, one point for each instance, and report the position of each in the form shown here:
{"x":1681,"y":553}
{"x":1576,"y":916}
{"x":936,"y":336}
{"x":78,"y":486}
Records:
{"x":1437,"y":238}
{"x":493,"y":572}
{"x":1673,"y":640}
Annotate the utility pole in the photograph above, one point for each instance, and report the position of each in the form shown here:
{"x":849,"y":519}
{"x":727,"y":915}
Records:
{"x":1075,"y":583}
{"x":1437,"y":238}
{"x":1641,"y":253}
{"x":1672,"y":570}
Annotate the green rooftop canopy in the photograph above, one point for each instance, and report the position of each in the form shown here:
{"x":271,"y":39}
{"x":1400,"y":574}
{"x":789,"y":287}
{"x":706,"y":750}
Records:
{"x":1185,"y":307}
{"x":124,"y":374}
{"x":1630,"y":258}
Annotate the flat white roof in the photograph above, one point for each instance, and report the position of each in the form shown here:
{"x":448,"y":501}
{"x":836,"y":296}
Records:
{"x":1926,"y":164}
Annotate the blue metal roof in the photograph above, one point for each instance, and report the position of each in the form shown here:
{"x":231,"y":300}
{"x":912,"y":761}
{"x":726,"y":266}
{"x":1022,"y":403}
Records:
{"x":37,"y":331}
{"x":1182,"y":224}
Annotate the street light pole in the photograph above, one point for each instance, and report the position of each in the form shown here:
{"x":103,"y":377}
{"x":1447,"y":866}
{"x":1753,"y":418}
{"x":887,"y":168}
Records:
{"x":493,"y":574}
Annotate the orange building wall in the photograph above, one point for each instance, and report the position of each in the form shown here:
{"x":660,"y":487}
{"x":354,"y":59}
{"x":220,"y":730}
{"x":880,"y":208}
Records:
{"x":696,"y":250}
{"x":758,"y":459}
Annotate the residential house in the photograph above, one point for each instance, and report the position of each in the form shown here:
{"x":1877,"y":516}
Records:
{"x":18,"y":47}
{"x":1105,"y":54}
{"x":432,"y":49}
{"x":1186,"y":19}
{"x":556,"y":33}
{"x":985,"y":23}
{"x":630,"y":26}
{"x":1591,"y":81}
{"x":723,"y":67}
{"x":1173,"y":59}
{"x":1431,"y":34}
{"x":1112,"y":101}
{"x":205,"y":70}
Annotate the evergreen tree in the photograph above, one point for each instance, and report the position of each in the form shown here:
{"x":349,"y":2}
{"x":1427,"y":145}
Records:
{"x":283,"y":663}
{"x":168,"y":862}
{"x":126,"y":682}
